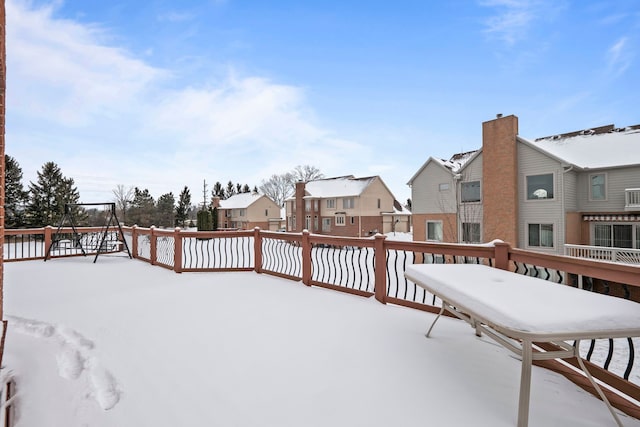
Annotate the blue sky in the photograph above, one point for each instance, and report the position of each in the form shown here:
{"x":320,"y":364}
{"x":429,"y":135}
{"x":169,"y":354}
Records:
{"x":163,"y":94}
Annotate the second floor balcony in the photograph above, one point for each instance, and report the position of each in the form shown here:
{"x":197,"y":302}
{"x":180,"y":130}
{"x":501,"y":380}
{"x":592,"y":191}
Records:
{"x":632,"y":199}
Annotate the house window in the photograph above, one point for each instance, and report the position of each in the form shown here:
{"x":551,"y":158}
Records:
{"x":340,"y":219}
{"x":434,"y":231}
{"x":598,"y":186}
{"x":541,"y":235}
{"x":615,"y":235}
{"x":307,"y":222}
{"x":353,"y":220}
{"x":378,"y":203}
{"x":266,"y":212}
{"x":326,"y":224}
{"x":315,"y":223}
{"x":242,"y":212}
{"x":293,"y":206}
{"x":470,"y":192}
{"x":443,"y":186}
{"x":331,"y":203}
{"x":348,"y":203}
{"x":471,"y":232}
{"x":540,"y":187}
{"x":307,"y":205}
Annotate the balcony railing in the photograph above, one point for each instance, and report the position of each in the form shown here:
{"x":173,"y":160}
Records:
{"x":603,"y":253}
{"x":632,"y":199}
{"x":375,"y":267}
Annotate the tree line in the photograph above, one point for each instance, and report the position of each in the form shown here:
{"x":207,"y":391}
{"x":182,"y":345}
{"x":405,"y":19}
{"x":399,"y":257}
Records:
{"x":44,"y":202}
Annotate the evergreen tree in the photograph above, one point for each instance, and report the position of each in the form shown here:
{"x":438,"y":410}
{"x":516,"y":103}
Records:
{"x":184,"y":206}
{"x":165,"y":210}
{"x":142,"y":209}
{"x":218,"y":191}
{"x":246,"y":189}
{"x":238,"y":188}
{"x":231,"y":190}
{"x":215,"y":219}
{"x":15,"y":197}
{"x":49,"y":195}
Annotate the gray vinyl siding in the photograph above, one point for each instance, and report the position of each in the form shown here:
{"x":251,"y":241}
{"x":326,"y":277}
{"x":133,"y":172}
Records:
{"x":426,"y":197}
{"x":532,"y":162}
{"x":569,"y":181}
{"x":617,"y":181}
{"x":471,"y":212}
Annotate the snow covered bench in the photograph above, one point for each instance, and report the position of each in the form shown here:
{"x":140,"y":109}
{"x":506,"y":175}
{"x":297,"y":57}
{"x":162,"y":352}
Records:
{"x":517,"y":310}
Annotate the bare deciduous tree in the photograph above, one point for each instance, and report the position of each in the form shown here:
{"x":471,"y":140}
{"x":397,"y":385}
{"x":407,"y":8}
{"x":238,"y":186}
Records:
{"x":306,"y":173}
{"x":123,"y":198}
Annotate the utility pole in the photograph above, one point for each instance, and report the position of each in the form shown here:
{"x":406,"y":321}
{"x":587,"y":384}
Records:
{"x":204,"y":194}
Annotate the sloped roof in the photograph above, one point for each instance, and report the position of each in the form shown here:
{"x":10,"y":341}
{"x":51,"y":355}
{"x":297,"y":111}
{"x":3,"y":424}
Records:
{"x":454,"y":164}
{"x":593,"y":150}
{"x":343,"y":186}
{"x":240,"y":201}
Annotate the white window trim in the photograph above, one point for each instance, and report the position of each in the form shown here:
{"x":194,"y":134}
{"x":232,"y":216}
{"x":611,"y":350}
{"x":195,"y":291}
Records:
{"x":555,"y":190}
{"x":479,"y":202}
{"x":540,"y":247}
{"x":426,"y":230}
{"x":462,"y":231}
{"x":343,"y":217}
{"x":606,"y":189}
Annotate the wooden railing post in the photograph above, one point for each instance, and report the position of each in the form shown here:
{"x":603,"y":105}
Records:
{"x":257,"y":250}
{"x":47,"y":238}
{"x":380,"y":268}
{"x":134,"y":241}
{"x":502,"y":255}
{"x":154,"y":244}
{"x":177,"y":250}
{"x":306,"y":258}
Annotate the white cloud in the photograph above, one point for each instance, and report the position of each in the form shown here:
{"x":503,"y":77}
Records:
{"x":107,"y":118}
{"x":619,"y":57}
{"x":513,"y":19}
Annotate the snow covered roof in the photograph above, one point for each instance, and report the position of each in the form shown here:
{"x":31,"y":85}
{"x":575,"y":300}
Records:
{"x":343,"y":186}
{"x":239,"y":201}
{"x":593,"y":150}
{"x":454,"y":164}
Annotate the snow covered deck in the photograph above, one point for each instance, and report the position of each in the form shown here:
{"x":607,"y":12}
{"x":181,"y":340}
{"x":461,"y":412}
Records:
{"x":123,"y":343}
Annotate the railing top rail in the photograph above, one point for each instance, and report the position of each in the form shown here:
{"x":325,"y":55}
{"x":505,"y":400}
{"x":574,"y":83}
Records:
{"x":615,"y":272}
{"x":290,"y":237}
{"x":462,"y":249}
{"x":632,"y":189}
{"x":342,"y":241}
{"x":219,"y":234}
{"x":602,"y":248}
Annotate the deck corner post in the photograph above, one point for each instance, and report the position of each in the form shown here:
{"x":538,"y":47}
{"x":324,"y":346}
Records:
{"x":153,"y":251}
{"x":257,"y":250}
{"x":177,"y":250}
{"x":306,"y":258}
{"x":48,"y":231}
{"x":502,"y":255}
{"x":380,"y":268}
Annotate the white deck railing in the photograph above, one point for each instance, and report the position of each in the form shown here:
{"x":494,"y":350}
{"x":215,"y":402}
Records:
{"x":603,"y":253}
{"x":632,"y":199}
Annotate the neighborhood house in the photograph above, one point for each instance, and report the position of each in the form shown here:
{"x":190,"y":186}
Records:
{"x":580,"y":188}
{"x":346,"y":206}
{"x":246,"y":211}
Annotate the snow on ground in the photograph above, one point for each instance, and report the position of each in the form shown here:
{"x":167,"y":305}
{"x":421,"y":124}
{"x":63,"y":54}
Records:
{"x":123,"y":343}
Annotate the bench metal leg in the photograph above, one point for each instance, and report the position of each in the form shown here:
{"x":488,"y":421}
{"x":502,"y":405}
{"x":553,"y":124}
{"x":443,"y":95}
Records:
{"x":435,"y":320}
{"x":595,"y":385}
{"x":525,"y":384}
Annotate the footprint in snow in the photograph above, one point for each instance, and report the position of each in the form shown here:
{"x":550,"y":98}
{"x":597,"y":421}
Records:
{"x":74,"y":358}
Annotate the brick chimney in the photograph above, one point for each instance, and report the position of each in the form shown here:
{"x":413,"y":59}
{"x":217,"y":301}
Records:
{"x":299,"y":213}
{"x":500,"y":179}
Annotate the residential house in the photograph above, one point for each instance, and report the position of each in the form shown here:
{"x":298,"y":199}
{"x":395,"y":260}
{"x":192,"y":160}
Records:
{"x":246,"y":211}
{"x":577,"y":188}
{"x":346,"y":206}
